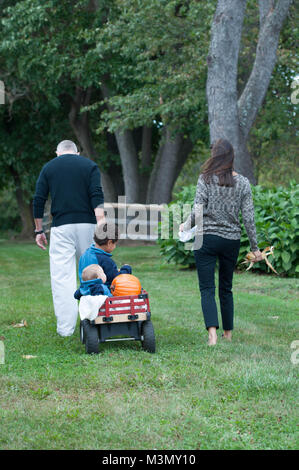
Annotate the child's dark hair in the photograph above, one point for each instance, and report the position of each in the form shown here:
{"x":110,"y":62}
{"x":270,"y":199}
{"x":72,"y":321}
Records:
{"x":105,"y":232}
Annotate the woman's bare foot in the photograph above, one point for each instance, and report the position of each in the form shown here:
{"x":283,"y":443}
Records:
{"x":212,"y":336}
{"x":227,"y":335}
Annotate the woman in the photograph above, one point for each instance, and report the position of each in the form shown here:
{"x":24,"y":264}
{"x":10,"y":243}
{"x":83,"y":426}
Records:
{"x":222,"y":194}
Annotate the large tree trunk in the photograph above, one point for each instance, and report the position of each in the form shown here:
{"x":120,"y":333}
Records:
{"x":172,"y":155}
{"x":129,"y":161}
{"x":128,"y":155}
{"x":80,"y":125}
{"x":146,"y":185}
{"x":229,"y":117}
{"x":145,"y":164}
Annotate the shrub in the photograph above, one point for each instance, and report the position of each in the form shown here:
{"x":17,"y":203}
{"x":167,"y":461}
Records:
{"x":9,"y":212}
{"x":172,"y":249}
{"x":277,"y":224}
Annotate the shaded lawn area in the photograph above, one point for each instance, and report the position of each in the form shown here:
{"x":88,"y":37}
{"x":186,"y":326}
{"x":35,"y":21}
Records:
{"x":239,"y":395}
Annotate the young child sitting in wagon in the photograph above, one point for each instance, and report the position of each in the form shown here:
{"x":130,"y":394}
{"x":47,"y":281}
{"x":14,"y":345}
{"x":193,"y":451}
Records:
{"x":100,"y":253}
{"x":93,"y":282}
{"x":92,"y":292}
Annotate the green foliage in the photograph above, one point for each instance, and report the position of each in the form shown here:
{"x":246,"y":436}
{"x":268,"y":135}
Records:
{"x":23,"y":145}
{"x":277,"y":224}
{"x":44,"y":56}
{"x":172,"y":249}
{"x":9,"y":215}
{"x":152,"y":55}
{"x":157,"y":64}
{"x":273,"y":140}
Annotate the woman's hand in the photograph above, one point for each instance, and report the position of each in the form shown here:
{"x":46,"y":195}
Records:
{"x":181,"y":229}
{"x":258,"y":256}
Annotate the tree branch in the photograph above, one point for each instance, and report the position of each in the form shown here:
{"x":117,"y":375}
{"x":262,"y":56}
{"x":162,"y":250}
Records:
{"x":265,"y":6}
{"x":271,"y":20}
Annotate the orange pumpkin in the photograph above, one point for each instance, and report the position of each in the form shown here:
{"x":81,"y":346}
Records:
{"x":125,"y":284}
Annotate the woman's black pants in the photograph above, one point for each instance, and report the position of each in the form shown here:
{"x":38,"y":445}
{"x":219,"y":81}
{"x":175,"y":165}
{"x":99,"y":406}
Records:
{"x":226,"y":251}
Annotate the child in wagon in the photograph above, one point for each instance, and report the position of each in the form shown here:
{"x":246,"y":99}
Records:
{"x":97,"y":271}
{"x":92,"y":292}
{"x":93,"y":282}
{"x":100,"y":253}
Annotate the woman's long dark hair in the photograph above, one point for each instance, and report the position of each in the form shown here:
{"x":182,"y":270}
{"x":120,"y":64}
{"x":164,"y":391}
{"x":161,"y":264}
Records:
{"x":220,"y":163}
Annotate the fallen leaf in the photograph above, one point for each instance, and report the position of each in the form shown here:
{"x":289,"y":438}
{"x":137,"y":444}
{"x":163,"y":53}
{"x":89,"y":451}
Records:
{"x":20,"y":325}
{"x":28,"y":356}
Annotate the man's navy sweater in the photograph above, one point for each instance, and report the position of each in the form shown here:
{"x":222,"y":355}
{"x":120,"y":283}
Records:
{"x":74,"y":184}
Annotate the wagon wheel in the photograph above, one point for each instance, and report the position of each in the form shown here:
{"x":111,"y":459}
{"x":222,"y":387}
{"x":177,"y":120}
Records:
{"x":148,"y":342}
{"x":90,"y":337}
{"x":81,"y":332}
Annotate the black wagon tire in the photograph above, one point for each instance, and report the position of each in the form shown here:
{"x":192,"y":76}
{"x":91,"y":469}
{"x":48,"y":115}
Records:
{"x":81,"y":331}
{"x":149,"y":341}
{"x":91,"y":338}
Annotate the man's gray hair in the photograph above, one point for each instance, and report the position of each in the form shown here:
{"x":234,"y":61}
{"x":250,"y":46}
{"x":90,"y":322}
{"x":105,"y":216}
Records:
{"x":66,"y":146}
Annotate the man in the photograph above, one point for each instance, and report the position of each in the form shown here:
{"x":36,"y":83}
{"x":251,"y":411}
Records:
{"x":74,"y":184}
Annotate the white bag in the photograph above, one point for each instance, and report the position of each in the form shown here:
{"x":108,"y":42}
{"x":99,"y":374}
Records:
{"x":187,"y":235}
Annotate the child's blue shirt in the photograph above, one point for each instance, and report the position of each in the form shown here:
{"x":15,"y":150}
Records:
{"x":98,"y":256}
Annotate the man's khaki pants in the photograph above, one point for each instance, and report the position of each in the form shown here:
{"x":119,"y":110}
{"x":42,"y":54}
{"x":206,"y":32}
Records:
{"x":67,"y":244}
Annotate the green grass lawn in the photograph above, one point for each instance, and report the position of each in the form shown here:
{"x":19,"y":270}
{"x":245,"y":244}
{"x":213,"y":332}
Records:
{"x":239,"y":395}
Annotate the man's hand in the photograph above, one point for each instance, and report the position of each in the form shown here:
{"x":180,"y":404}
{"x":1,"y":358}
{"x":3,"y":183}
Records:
{"x":100,"y":215}
{"x":41,"y":241}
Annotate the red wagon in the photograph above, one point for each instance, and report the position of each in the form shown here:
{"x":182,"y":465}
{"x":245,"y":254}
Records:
{"x":120,"y":319}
